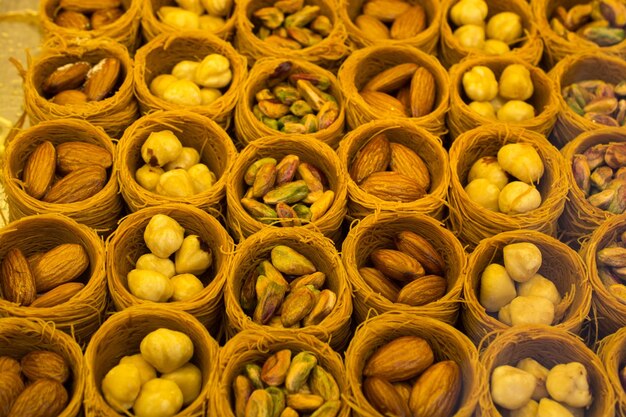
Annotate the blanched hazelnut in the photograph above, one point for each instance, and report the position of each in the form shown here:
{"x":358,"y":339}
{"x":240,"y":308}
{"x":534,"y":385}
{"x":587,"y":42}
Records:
{"x":185,"y":286}
{"x":166,"y":350}
{"x":183,"y":92}
{"x":153,"y":263}
{"x":202,"y":177}
{"x":160,"y":148}
{"x":149,"y":285}
{"x":160,"y":83}
{"x":483,"y":192}
{"x":497,"y":289}
{"x":518,"y":197}
{"x":189,"y":379}
{"x":511,"y":388}
{"x":158,"y":398}
{"x":539,"y":286}
{"x":179,"y":18}
{"x":187,"y":158}
{"x":522,"y":161}
{"x":163,"y":235}
{"x":522,"y":260}
{"x":488,"y":167}
{"x":121,"y":386}
{"x":193,"y":257}
{"x":484,"y":108}
{"x":175,"y":183}
{"x":211,"y":23}
{"x":146,"y":371}
{"x":209,"y":95}
{"x":185,"y":70}
{"x":148,"y":176}
{"x":531,"y":310}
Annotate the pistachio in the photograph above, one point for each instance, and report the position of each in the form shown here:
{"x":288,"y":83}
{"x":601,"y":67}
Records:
{"x":311,"y":94}
{"x":287,"y":216}
{"x":260,"y":404}
{"x":247,"y":296}
{"x":302,"y":17}
{"x":602,"y":119}
{"x":253,"y":372}
{"x":322,"y":25}
{"x":329,"y":409}
{"x":278,"y":400}
{"x":304,"y":402}
{"x":614,"y":11}
{"x":301,"y":366}
{"x":323,"y":307}
{"x":602,"y":105}
{"x":319,"y":81}
{"x":323,"y":384}
{"x":298,"y":305}
{"x":303,"y":212}
{"x":595,"y":155}
{"x":311,"y":123}
{"x":269,"y":303}
{"x":291,"y":262}
{"x":286,"y":93}
{"x":582,"y":173}
{"x":286,"y":169}
{"x":304,"y":36}
{"x":275,"y":368}
{"x":603,"y":199}
{"x":267,"y":269}
{"x":316,"y":280}
{"x":271,"y":17}
{"x":615,"y":156}
{"x":612,"y":256}
{"x":260,"y":211}
{"x":601,"y":176}
{"x":604,"y":36}
{"x":577,"y":16}
{"x":242,"y":388}
{"x":289,"y":6}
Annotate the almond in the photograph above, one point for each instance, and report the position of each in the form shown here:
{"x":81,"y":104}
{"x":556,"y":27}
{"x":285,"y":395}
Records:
{"x":392,"y":78}
{"x":372,"y":27}
{"x":405,"y":161}
{"x":42,"y":398}
{"x":77,"y":186}
{"x":8,"y":364}
{"x":39,"y":169}
{"x":436,"y":391}
{"x":423,"y":90}
{"x":410,"y":23}
{"x":72,"y":20}
{"x":401,"y":359}
{"x":67,"y":77}
{"x":372,"y":157}
{"x":76,"y":155}
{"x":385,"y":10}
{"x":379,"y":283}
{"x":404,"y":97}
{"x":69,"y":97}
{"x":422,"y":291}
{"x":58,"y":295}
{"x":385,"y":398}
{"x":102,"y":78}
{"x":396,"y":265}
{"x":64,"y":263}
{"x":42,"y":364}
{"x":105,"y":17}
{"x":16,"y":279}
{"x":384,"y":103}
{"x":392,"y":186}
{"x":88,"y":6}
{"x":11,"y":386}
{"x":422,"y":250}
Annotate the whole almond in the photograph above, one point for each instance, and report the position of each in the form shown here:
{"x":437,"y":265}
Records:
{"x":401,"y":359}
{"x":385,"y":398}
{"x":423,"y":92}
{"x":102,"y":78}
{"x":385,"y":10}
{"x":39,"y":169}
{"x":392,"y":78}
{"x":8,"y":364}
{"x":42,"y":398}
{"x":406,"y":162}
{"x":76,"y":186}
{"x":58,"y":295}
{"x":67,"y":77}
{"x":384,"y":103}
{"x":72,"y":20}
{"x":372,"y":27}
{"x":392,"y":186}
{"x":42,"y":364}
{"x":105,"y":17}
{"x":76,"y":155}
{"x":396,"y":265}
{"x":372,"y":157}
{"x":379,"y":283}
{"x":404,"y":96}
{"x":437,"y":391}
{"x":88,"y":6}
{"x":11,"y":386}
{"x":422,"y":250}
{"x":69,"y":97}
{"x":409,"y":24}
{"x":422,"y":291}
{"x":62,"y":264}
{"x":16,"y":279}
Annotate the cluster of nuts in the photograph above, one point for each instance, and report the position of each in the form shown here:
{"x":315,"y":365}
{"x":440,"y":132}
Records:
{"x":172,"y":169}
{"x":44,"y":393}
{"x":601,"y":102}
{"x":600,"y":173}
{"x":206,"y":15}
{"x":503,"y":29}
{"x":193,"y":83}
{"x":405,"y":90}
{"x":295,"y":102}
{"x":397,"y":19}
{"x":407,"y":180}
{"x":531,"y":389}
{"x":133,"y":382}
{"x":66,"y":173}
{"x":293,"y":192}
{"x":87,"y":15}
{"x":286,"y":386}
{"x":516,"y":291}
{"x":402,"y":379}
{"x":79,"y":82}
{"x":287,"y":292}
{"x":415,"y":265}
{"x":599,"y":21}
{"x":43,"y":279}
{"x":502,"y":100}
{"x":156,"y":277}
{"x":612,"y":267}
{"x":291,"y":24}
{"x":488,"y":180}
